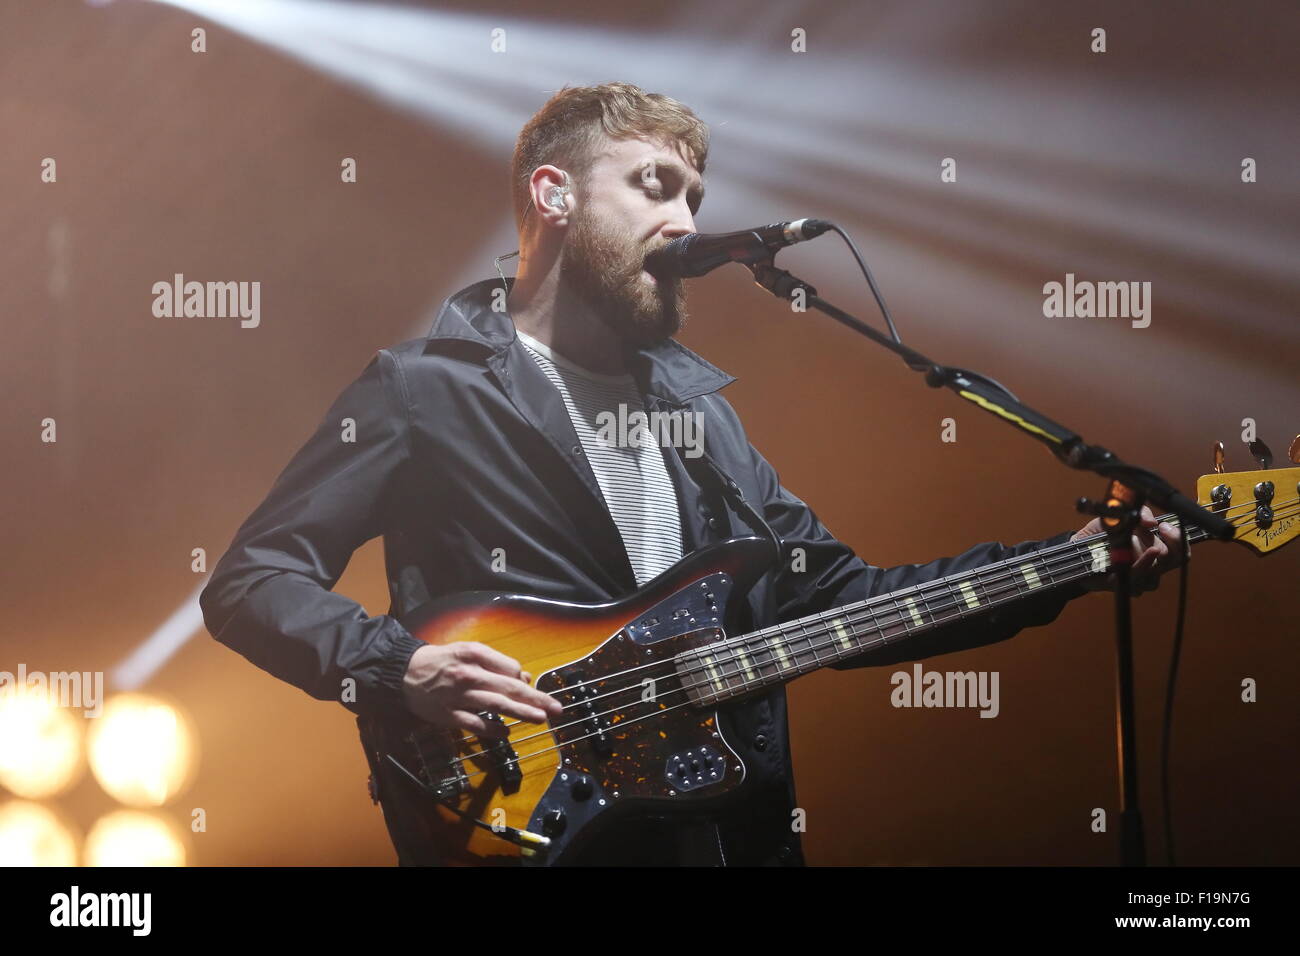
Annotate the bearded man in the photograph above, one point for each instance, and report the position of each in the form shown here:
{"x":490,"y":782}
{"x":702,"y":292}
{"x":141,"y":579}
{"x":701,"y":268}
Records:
{"x":477,"y":455}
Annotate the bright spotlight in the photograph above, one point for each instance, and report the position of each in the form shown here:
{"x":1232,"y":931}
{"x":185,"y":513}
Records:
{"x":40,"y":744}
{"x":33,"y":835}
{"x":142,"y":750}
{"x":134,"y":838}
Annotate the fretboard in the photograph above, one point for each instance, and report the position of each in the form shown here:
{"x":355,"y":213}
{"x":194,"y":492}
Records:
{"x":774,"y":655}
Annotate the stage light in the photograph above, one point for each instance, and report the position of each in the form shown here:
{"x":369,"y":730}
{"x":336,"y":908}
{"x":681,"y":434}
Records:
{"x":33,"y":835}
{"x":40,"y":744}
{"x":134,"y":838}
{"x":860,"y":138}
{"x":142,"y":750}
{"x":157,"y":649}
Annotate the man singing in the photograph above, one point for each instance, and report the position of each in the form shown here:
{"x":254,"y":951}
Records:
{"x":478,"y":454}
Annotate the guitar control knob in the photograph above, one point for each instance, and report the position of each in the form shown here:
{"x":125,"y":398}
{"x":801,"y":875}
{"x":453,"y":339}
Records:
{"x":581,"y":787}
{"x":553,"y":822}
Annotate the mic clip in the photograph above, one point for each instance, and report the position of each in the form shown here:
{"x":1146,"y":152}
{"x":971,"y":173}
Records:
{"x":779,"y":282}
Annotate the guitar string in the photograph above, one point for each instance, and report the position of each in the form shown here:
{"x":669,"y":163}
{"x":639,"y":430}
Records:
{"x":850,"y":618}
{"x":872,"y":607}
{"x":937,"y":590}
{"x":941,"y":585}
{"x":746,"y":683}
{"x":538,"y":753}
{"x":748,"y":686}
{"x":521,"y":759}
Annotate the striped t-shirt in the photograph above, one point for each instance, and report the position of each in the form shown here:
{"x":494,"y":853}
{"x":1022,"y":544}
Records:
{"x":631,"y":473}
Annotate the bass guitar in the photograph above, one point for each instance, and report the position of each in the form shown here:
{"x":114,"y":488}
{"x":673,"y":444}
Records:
{"x":641,"y":679}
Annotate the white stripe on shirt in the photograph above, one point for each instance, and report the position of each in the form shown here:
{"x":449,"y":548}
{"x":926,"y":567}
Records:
{"x":633,"y":478}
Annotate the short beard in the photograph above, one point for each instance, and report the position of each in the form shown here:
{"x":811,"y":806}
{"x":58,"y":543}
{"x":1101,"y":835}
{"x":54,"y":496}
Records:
{"x":603,"y":270}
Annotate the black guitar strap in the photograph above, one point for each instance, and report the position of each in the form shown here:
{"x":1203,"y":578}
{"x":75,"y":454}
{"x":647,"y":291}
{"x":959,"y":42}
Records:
{"x":752,"y":517}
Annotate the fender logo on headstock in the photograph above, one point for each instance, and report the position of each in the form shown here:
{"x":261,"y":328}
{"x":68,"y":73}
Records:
{"x":1268,"y":534}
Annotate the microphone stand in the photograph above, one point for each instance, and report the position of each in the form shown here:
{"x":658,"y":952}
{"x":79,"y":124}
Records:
{"x":1128,"y":488}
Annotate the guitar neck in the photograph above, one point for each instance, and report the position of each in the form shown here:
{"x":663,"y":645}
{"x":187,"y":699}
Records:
{"x":776,"y":655}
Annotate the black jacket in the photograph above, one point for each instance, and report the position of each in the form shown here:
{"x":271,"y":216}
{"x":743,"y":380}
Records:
{"x":463,"y":446}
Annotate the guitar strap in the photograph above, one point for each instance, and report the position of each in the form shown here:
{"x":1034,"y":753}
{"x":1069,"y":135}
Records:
{"x":700,"y":843}
{"x":751,"y":515}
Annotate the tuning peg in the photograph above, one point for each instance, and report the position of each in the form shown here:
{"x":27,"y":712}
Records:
{"x":1294,"y":451}
{"x":1218,"y":456}
{"x":1259,"y":451}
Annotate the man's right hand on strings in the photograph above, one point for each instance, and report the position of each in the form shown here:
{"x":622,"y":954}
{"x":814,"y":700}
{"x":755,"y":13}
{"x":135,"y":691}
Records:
{"x":449,"y":684}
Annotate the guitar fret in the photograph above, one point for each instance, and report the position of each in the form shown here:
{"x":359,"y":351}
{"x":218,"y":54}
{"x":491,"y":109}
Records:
{"x":955,"y":602}
{"x":842,"y":636}
{"x":1043,"y":565}
{"x":689,"y":673}
{"x":712,"y":672}
{"x":1014,"y":584}
{"x":857,"y":637}
{"x":1100,"y":558}
{"x":1042,"y":568}
{"x":779,"y":648}
{"x":747,"y":667}
{"x":808,"y":646}
{"x":770,"y":667}
{"x":892,"y":617}
{"x":949,"y":608}
{"x":913,"y":613}
{"x":715,"y":669}
{"x":812,"y":645}
{"x":996,"y":577}
{"x":1004,"y":583}
{"x":728,"y":663}
{"x":1018,"y":582}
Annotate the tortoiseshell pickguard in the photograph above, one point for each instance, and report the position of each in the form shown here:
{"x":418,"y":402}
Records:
{"x":642,"y":735}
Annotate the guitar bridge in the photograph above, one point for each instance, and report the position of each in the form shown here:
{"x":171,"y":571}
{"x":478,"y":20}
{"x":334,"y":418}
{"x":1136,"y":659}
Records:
{"x":444,"y":786}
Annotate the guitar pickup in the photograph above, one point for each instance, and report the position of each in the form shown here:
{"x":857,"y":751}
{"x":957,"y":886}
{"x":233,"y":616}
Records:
{"x":503,"y":756}
{"x":594,"y":725}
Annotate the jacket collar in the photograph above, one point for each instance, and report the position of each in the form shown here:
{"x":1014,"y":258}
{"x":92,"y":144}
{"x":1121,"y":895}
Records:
{"x":668,"y":370}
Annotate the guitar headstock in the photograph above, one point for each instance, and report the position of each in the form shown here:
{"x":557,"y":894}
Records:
{"x":1264,"y":505}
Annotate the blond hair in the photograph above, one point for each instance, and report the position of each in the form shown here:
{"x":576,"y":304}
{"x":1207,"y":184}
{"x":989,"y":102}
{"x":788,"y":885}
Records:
{"x":567,"y":131}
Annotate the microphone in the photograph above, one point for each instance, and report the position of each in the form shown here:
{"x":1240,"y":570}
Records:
{"x":698,"y":253}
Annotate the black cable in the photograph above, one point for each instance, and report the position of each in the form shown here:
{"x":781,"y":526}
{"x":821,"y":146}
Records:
{"x":871,"y":281}
{"x":889,"y":319}
{"x":1166,"y":733}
